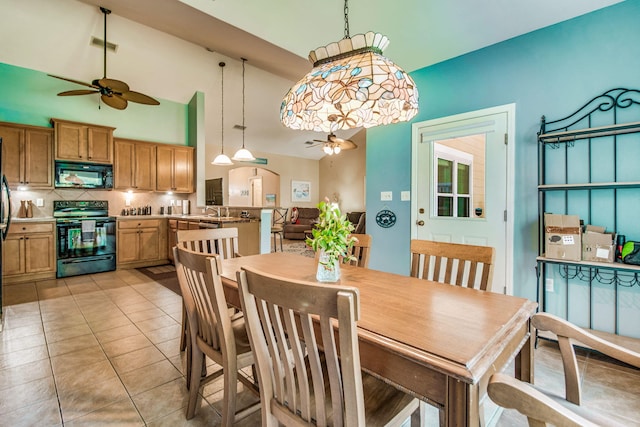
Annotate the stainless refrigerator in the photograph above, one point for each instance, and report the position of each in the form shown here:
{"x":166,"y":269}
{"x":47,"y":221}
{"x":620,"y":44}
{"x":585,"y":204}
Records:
{"x":5,"y":220}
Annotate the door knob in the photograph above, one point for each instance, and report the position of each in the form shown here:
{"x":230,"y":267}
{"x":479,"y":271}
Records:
{"x":420,"y":222}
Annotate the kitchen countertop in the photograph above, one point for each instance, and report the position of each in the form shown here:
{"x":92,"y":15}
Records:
{"x":201,"y":218}
{"x":193,"y":217}
{"x":39,"y":219}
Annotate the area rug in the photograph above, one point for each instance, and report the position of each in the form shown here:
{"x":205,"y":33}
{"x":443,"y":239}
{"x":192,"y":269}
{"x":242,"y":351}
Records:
{"x":298,"y":247}
{"x":164,"y":275}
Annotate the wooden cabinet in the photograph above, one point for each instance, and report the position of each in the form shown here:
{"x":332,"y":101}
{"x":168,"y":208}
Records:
{"x":83,"y":142}
{"x":174,"y":169}
{"x":141,"y":242}
{"x":29,"y":252}
{"x":27,"y":155}
{"x":134,"y":166}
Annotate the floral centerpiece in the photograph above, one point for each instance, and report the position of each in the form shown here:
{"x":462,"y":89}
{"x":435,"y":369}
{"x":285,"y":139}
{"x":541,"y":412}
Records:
{"x":332,"y":241}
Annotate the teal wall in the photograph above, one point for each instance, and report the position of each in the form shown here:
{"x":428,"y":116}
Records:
{"x":552,"y":71}
{"x":29,"y":97}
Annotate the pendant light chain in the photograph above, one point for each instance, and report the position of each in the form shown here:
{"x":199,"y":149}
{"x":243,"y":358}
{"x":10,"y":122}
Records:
{"x":222,"y":159}
{"x":222,"y":64}
{"x":346,"y":20}
{"x":243,"y":126}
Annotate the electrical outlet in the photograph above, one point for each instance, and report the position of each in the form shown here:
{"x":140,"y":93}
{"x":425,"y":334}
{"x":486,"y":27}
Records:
{"x":405,"y":196}
{"x":386,"y":196}
{"x":39,"y":203}
{"x":548,"y":285}
{"x":127,"y":202}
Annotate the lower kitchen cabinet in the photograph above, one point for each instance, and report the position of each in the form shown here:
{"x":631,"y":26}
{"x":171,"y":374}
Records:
{"x":141,"y":242}
{"x":29,"y":252}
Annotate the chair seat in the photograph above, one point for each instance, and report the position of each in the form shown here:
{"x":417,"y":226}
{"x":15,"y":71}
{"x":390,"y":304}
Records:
{"x":240,"y":333}
{"x":383,"y":404}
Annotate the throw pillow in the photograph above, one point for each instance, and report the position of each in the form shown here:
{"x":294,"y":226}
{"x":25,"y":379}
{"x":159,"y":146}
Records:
{"x":294,"y":215}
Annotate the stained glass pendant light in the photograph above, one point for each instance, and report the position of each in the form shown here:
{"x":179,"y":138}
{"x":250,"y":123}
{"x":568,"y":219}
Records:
{"x":222,"y":159}
{"x":351,"y":85}
{"x":243,"y":155}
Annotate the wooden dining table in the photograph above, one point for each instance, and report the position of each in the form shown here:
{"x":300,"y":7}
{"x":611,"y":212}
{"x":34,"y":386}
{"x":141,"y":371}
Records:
{"x":438,"y":342}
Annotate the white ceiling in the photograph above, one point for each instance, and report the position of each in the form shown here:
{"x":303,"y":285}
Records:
{"x":276,"y":36}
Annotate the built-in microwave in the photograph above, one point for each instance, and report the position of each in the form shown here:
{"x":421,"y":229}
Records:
{"x":83,"y":175}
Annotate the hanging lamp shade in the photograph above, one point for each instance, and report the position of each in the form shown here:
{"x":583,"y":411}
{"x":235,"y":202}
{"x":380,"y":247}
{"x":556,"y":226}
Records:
{"x":243,"y":155}
{"x":222,"y":159}
{"x":351,"y":85}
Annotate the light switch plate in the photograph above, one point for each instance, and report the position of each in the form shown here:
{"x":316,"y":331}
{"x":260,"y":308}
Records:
{"x":386,"y":196}
{"x":39,"y":203}
{"x":548,"y":284}
{"x":405,"y":196}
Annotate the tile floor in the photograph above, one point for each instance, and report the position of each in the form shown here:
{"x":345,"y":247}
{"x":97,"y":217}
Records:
{"x":103,"y":350}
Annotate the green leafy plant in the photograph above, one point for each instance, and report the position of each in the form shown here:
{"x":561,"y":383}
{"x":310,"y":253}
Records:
{"x":331,"y":234}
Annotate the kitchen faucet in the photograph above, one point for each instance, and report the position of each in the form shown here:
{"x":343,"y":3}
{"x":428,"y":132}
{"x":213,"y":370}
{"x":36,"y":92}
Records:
{"x":216,"y":209}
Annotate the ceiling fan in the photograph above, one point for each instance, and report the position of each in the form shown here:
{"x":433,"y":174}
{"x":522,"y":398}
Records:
{"x":114,"y":93}
{"x":333,"y":144}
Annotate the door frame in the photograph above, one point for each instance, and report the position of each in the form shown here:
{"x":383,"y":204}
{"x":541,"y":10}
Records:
{"x":416,"y":129}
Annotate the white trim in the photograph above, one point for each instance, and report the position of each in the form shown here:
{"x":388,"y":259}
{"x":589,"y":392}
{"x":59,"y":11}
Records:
{"x":510,"y":110}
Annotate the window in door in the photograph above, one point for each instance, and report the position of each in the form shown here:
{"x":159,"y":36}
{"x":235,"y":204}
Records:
{"x":453,"y":181}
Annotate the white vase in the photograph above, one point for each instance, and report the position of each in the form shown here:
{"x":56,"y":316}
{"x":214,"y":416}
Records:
{"x":327,"y":272}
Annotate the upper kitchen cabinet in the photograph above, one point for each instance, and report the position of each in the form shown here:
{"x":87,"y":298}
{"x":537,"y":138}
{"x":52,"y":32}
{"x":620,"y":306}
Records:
{"x":134,"y":167}
{"x":174,"y":168}
{"x":27,"y":155}
{"x":83,"y":142}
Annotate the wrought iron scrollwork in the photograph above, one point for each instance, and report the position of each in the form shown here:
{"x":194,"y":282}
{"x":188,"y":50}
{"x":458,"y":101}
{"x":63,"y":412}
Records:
{"x":605,"y":276}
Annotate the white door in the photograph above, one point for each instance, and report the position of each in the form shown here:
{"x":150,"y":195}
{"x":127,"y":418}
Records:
{"x":462,"y":184}
{"x":256,"y":191}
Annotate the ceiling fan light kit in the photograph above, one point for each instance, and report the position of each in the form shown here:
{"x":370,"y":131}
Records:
{"x":222,"y":159}
{"x":114,"y":93}
{"x":243,"y":155}
{"x":333,"y":144}
{"x":351,"y":85}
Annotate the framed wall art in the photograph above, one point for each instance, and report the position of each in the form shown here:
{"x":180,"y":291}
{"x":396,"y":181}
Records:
{"x":300,"y":191}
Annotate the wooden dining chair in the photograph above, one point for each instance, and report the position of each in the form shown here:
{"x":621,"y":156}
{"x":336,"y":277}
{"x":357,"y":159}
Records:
{"x":213,"y":331}
{"x":277,"y":226}
{"x":542,"y":407}
{"x":302,"y":382}
{"x":457,"y":264}
{"x":220,"y":241}
{"x":360,"y":250}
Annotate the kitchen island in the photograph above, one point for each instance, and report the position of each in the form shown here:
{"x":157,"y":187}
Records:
{"x":248,"y":230}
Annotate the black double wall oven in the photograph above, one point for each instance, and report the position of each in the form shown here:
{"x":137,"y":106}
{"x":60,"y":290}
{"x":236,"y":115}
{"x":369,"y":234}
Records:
{"x":86,"y":237}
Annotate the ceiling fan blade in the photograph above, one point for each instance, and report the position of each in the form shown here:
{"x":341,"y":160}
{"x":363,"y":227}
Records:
{"x":140,"y":98}
{"x":347,"y":144}
{"x":78,"y":92}
{"x":115,"y":85}
{"x":74,"y":81}
{"x":115,"y":101}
